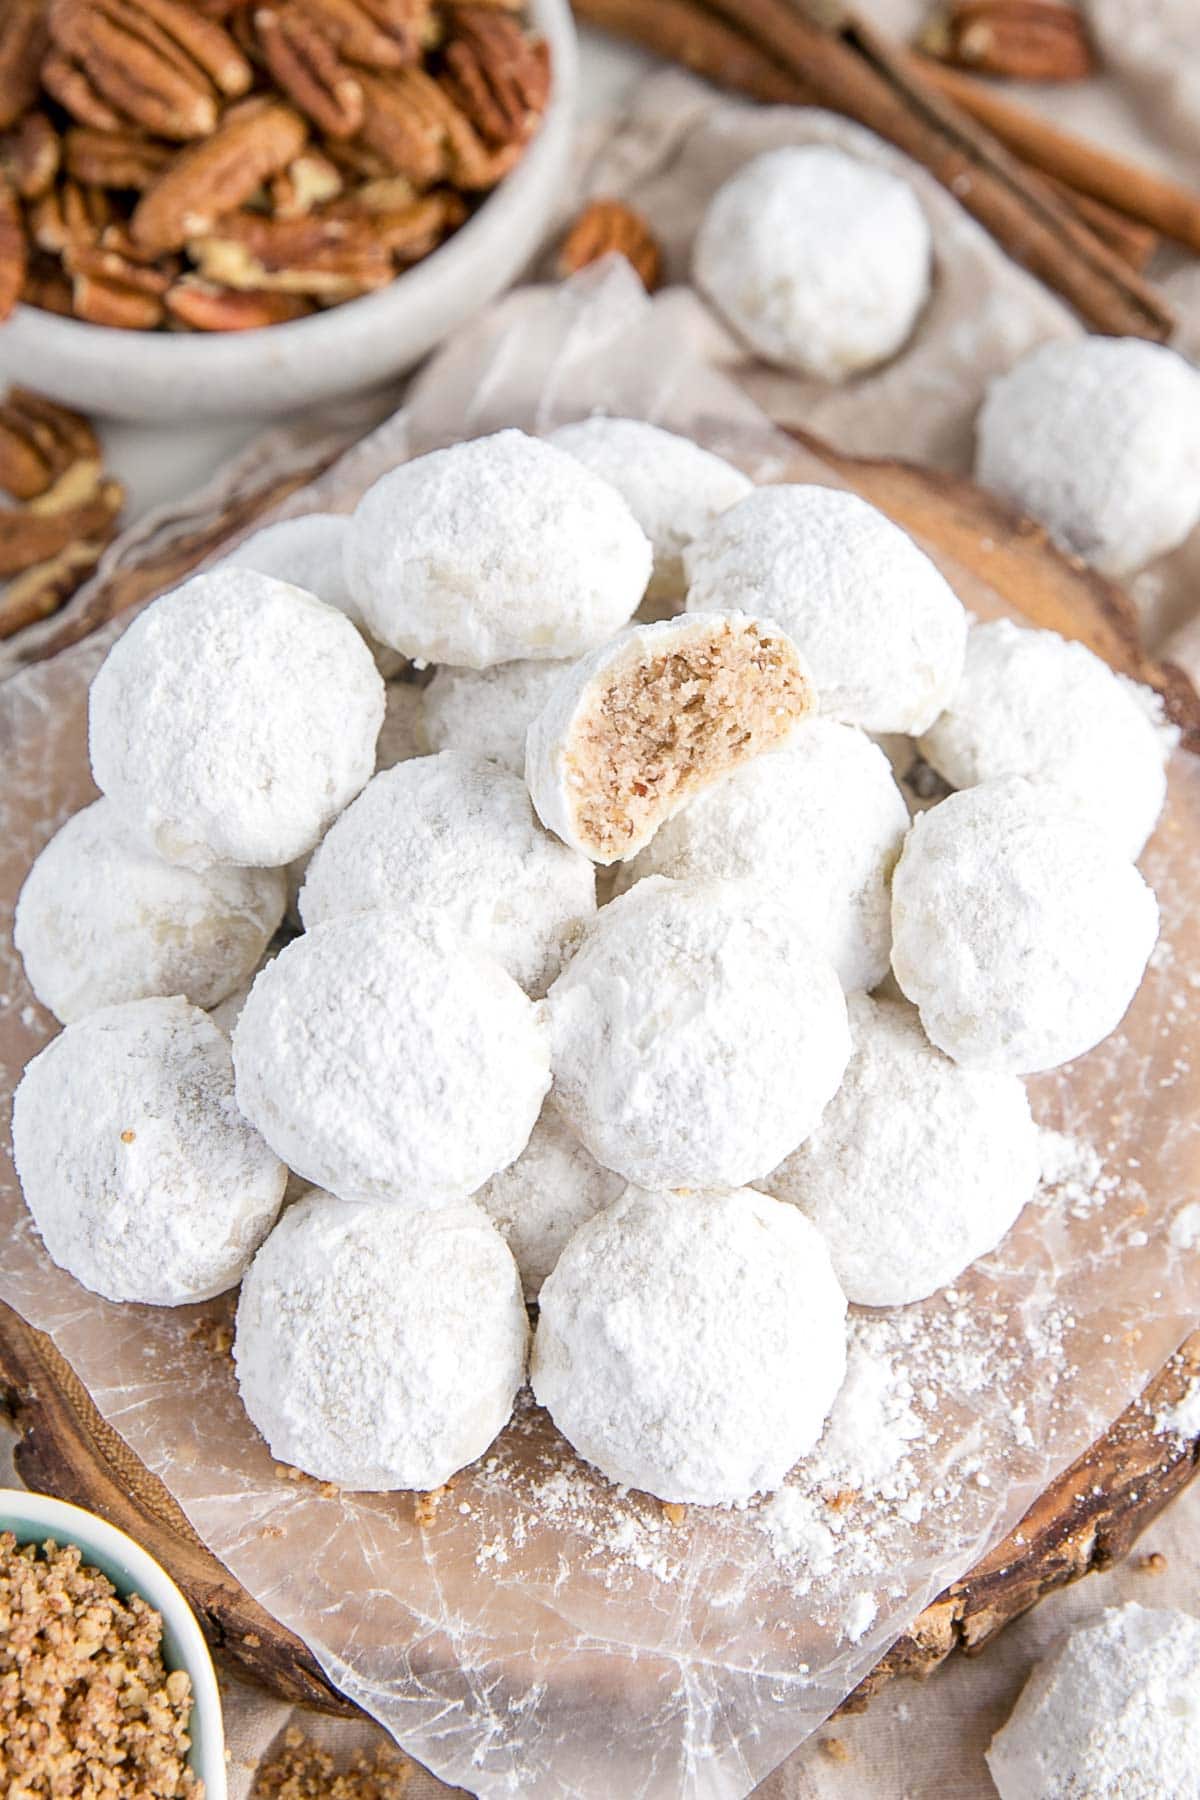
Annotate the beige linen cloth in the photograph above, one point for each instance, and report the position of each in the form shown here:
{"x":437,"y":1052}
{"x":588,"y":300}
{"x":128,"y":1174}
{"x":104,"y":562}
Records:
{"x":678,"y":142}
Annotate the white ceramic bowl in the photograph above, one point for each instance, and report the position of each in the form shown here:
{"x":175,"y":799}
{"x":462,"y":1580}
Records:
{"x":174,"y":375}
{"x":32,"y":1518}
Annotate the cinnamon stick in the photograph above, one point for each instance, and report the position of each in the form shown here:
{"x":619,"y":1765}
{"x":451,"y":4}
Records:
{"x":856,"y":73}
{"x":1133,"y":242}
{"x":1164,"y":205}
{"x":683,"y":32}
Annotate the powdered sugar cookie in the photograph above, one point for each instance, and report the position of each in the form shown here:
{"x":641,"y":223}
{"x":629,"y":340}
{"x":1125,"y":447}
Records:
{"x":488,"y":712}
{"x":697,"y":1035}
{"x":1019,"y":930}
{"x":380,"y":1348}
{"x":692,"y":1344}
{"x":820,"y":261}
{"x":634,"y":730}
{"x":234,"y":720}
{"x":494,"y":550}
{"x":552,"y":1189}
{"x":143,"y":1178}
{"x":1099,"y":439}
{"x":917,"y":1167}
{"x":100,"y":921}
{"x":307,"y":551}
{"x":880,"y":629}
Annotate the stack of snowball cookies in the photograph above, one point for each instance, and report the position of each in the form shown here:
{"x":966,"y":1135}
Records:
{"x":625,"y":984}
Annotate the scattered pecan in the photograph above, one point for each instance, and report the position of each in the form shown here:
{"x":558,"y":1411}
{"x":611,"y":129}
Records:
{"x":253,"y":142}
{"x":114,"y":159}
{"x":39,"y":441}
{"x":498,"y":77}
{"x":1031,"y":40}
{"x":23,"y":40}
{"x":35,"y":533}
{"x":309,"y":69}
{"x":69,"y":214}
{"x":41,"y":591}
{"x":204,"y":306}
{"x":159,"y":62}
{"x":14,"y":248}
{"x":70,"y":85}
{"x":328,"y":258}
{"x":30,"y":155}
{"x":309,"y":181}
{"x":607,"y":226}
{"x":376,"y":34}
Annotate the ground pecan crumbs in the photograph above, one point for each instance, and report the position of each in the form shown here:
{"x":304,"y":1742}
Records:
{"x":301,"y":1770}
{"x":1153,"y":1563}
{"x":86,"y":1705}
{"x":835,"y":1750}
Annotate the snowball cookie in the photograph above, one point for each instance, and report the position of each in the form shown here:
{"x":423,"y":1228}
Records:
{"x":881,"y":631}
{"x":234,"y":719}
{"x":309,"y":552}
{"x":378,"y":1347}
{"x":1019,"y":930}
{"x":1113,"y":1713}
{"x":537,"y":1202}
{"x":100,"y":920}
{"x":820,"y":261}
{"x":820,"y":823}
{"x":387,"y":1063}
{"x":697,"y":1035}
{"x":454,"y":837}
{"x":917,"y":1167}
{"x":692,"y":1344}
{"x":1099,"y":439}
{"x":673,"y":488}
{"x":497,"y":549}
{"x":632,"y":731}
{"x":1031,"y":703}
{"x":143,"y":1178}
{"x":487,"y":712}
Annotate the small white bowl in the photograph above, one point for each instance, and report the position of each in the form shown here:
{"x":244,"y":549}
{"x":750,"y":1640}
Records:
{"x":32,"y":1518}
{"x":176,"y":375}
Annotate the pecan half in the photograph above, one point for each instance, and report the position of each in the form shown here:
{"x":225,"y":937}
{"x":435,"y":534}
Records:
{"x":254,"y":141}
{"x":1030,"y":40}
{"x":419,"y":131}
{"x":608,"y":226}
{"x":79,"y":506}
{"x":30,"y":156}
{"x":14,"y":248}
{"x":376,"y":34}
{"x":159,"y":62}
{"x":498,"y":77}
{"x":101,"y":301}
{"x":42,"y":590}
{"x":309,"y":69}
{"x":329,"y":258}
{"x":408,"y":228}
{"x":203,"y":306}
{"x":23,"y":39}
{"x":66,"y":82}
{"x":114,"y":159}
{"x":39,"y":441}
{"x":69,"y":214}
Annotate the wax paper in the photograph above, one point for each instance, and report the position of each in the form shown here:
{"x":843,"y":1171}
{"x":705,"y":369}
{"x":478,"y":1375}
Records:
{"x":533,"y":1629}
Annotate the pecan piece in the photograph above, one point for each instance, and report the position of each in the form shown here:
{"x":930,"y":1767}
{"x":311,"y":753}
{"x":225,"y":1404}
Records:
{"x":42,"y":590}
{"x":309,"y":70}
{"x":329,"y":258}
{"x":69,"y":214}
{"x":14,"y":248}
{"x":66,"y":82}
{"x":79,"y":506}
{"x":23,"y":40}
{"x":406,"y":227}
{"x":1030,"y":40}
{"x":30,"y":156}
{"x":114,"y":159}
{"x":204,"y":306}
{"x":499,"y":77}
{"x":158,"y":61}
{"x":376,"y":34}
{"x":254,"y":141}
{"x":608,"y":226}
{"x":310,"y":181}
{"x":39,"y":441}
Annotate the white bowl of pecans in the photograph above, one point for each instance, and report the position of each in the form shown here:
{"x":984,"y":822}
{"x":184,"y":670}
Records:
{"x":245,"y":208}
{"x":92,"y":1614}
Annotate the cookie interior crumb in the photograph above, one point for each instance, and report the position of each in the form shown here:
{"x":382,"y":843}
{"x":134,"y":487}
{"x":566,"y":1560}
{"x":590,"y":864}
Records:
{"x":86,"y":1704}
{"x":661,"y":727}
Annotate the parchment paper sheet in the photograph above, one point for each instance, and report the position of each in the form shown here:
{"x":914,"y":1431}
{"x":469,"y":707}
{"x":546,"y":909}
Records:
{"x":547,"y":1634}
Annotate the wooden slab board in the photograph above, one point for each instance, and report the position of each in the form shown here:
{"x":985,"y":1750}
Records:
{"x":1086,"y":1520}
